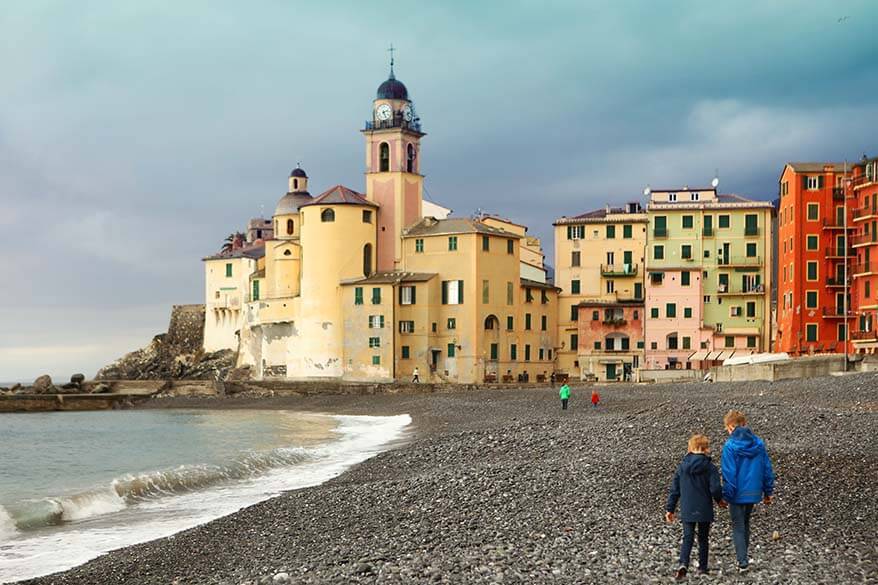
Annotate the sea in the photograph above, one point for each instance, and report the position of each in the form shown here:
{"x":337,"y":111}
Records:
{"x":74,"y":485}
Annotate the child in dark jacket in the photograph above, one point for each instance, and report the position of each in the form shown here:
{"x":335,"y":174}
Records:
{"x":696,"y":486}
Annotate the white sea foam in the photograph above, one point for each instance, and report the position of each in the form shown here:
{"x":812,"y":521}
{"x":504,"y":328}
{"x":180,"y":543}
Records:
{"x":7,"y":526}
{"x":152,"y":505}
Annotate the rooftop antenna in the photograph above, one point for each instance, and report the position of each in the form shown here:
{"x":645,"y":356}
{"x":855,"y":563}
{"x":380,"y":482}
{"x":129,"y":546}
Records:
{"x":647,"y":191}
{"x":391,"y":50}
{"x":715,"y":182}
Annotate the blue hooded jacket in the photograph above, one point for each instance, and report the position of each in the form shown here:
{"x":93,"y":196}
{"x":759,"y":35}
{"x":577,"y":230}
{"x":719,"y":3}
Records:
{"x":747,"y":472}
{"x":696,"y":483}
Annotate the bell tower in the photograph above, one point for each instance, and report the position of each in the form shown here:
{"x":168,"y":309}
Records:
{"x":393,"y":177}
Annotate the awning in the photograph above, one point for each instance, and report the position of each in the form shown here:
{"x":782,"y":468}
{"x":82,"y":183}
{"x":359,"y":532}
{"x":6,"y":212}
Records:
{"x":726,"y":354}
{"x":611,"y":361}
{"x":713,"y":356}
{"x":698,"y":355}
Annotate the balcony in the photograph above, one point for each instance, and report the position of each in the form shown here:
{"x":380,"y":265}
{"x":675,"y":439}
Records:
{"x":861,"y":269}
{"x":740,"y":261}
{"x":726,"y":290}
{"x":835,"y":224}
{"x":834,"y":281}
{"x":839,"y":253}
{"x":660,"y":232}
{"x":861,"y":181}
{"x":751,"y":230}
{"x":707,"y":232}
{"x":619,"y":269}
{"x":864,"y":336}
{"x":861,"y":213}
{"x":837,"y":313}
{"x":614,"y":321}
{"x":838,"y":193}
{"x":396,"y":121}
{"x":862,"y":240}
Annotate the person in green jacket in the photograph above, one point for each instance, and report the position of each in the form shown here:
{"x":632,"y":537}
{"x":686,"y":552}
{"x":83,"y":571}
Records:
{"x":565,"y":395}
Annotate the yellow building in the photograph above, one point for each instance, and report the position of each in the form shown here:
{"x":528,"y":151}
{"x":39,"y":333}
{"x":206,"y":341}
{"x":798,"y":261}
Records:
{"x":598,"y":265}
{"x":369,"y":287}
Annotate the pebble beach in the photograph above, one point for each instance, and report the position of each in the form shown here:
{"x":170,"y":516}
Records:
{"x":501,"y":486}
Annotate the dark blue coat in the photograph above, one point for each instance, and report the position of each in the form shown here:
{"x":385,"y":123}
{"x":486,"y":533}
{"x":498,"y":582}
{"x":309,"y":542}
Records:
{"x":747,"y":471}
{"x":696,"y":486}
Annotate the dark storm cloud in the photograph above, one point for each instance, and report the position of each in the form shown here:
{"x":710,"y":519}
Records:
{"x":135,"y":136}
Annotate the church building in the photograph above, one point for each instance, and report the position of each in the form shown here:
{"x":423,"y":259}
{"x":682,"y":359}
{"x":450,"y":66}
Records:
{"x":373,"y":286}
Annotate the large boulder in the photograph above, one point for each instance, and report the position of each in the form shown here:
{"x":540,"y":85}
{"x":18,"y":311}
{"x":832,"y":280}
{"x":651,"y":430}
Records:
{"x":77,"y":379}
{"x":43,"y":385}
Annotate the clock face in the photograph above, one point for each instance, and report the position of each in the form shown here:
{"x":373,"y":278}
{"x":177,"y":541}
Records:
{"x":383,"y":112}
{"x":407,"y":113}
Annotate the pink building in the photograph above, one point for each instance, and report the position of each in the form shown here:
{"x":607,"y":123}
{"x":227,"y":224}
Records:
{"x":610,"y":339}
{"x":672,"y":329}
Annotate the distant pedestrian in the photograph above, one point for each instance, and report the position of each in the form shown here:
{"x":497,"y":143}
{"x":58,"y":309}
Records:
{"x":747,"y":478}
{"x":696,"y":486}
{"x":595,"y":398}
{"x":552,"y":379}
{"x":565,"y":395}
{"x":416,"y":376}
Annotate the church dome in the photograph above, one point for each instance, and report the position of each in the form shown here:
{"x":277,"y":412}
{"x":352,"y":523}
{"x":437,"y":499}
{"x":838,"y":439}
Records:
{"x":299,"y":172}
{"x":392,"y":89}
{"x":291,"y":202}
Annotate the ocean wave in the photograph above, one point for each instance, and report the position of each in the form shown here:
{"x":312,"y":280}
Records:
{"x":133,"y":488}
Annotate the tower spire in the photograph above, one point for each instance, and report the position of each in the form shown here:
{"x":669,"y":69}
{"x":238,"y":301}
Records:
{"x":391,"y":50}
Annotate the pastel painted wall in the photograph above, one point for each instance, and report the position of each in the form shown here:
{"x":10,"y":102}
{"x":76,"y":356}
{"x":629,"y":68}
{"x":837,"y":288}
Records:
{"x":225,"y":297}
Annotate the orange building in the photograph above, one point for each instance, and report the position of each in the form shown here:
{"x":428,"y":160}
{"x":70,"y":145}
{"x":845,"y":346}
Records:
{"x":815,"y":212}
{"x":864,"y":270}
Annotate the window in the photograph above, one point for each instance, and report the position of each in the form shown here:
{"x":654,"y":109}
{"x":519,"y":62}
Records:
{"x":509,"y":293}
{"x":638,"y":290}
{"x":410,"y":158}
{"x":527,"y":352}
{"x":867,"y":289}
{"x":686,"y":252}
{"x":751,"y":341}
{"x":730,"y":341}
{"x":812,"y":242}
{"x":671,"y":310}
{"x":751,"y":224}
{"x":660,"y":226}
{"x":811,"y":332}
{"x":696,"y":196}
{"x":811,"y":299}
{"x":452,"y":292}
{"x":451,"y":348}
{"x":687,"y":343}
{"x":735,"y":311}
{"x":376,"y":321}
{"x":706,"y":299}
{"x":376,"y":296}
{"x":626,"y":231}
{"x":813,"y":211}
{"x":434,"y":326}
{"x":405,"y":352}
{"x":687,"y":222}
{"x":813,"y":183}
{"x":751,"y":309}
{"x":358,"y":295}
{"x":672,"y":196}
{"x":544,"y":298}
{"x":687,"y":312}
{"x":510,"y":322}
{"x":513,"y":352}
{"x":451,"y":323}
{"x":374,"y":342}
{"x":542,"y":354}
{"x":654,"y":313}
{"x":723,"y":221}
{"x":611,"y":232}
{"x":685,"y":277}
{"x":658,"y":252}
{"x":486,"y":292}
{"x":383,"y":157}
{"x":574,"y":287}
{"x":367,"y":216}
{"x":510,"y":246}
{"x":367,"y":259}
{"x":527,"y":322}
{"x":376,"y":360}
{"x":255,"y":290}
{"x":812,"y":271}
{"x":407,"y":295}
{"x":671,"y":341}
{"x":575,"y":232}
{"x":574,"y":341}
{"x":406,"y":326}
{"x":653,"y":345}
{"x":327,"y":215}
{"x":486,"y":244}
{"x":635,"y":315}
{"x":575,"y":258}
{"x":528,"y":295}
{"x":290,"y":226}
{"x":419,"y":245}
{"x":452,"y":243}
{"x":495,"y":351}
{"x":841,"y":332}
{"x":595,"y":315}
{"x":597,"y":345}
{"x":574,"y":313}
{"x":544,"y":323}
{"x":751,"y":249}
{"x":611,"y":286}
{"x":228,"y":270}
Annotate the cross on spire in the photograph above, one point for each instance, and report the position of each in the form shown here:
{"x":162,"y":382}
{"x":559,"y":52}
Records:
{"x":391,"y":50}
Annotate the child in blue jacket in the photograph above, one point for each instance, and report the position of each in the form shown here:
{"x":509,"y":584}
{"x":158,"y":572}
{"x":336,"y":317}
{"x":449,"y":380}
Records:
{"x":748,"y":478}
{"x":696,"y":486}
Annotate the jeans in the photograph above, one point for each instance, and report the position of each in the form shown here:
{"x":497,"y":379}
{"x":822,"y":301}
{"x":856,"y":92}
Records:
{"x":563,"y":404}
{"x":740,"y":514}
{"x":689,"y":539}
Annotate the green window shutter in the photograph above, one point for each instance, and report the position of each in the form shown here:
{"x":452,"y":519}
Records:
{"x":513,"y":352}
{"x":685,"y":278}
{"x":574,"y":287}
{"x":405,"y":352}
{"x":671,"y":310}
{"x":510,"y":322}
{"x":544,"y":323}
{"x":569,"y":232}
{"x":228,"y":270}
{"x":451,"y":349}
{"x":527,"y":321}
{"x":626,"y":231}
{"x":654,"y":312}
{"x":494,"y":351}
{"x":358,"y":295}
{"x":687,"y":312}
{"x":820,"y":182}
{"x":804,"y":181}
{"x":444,"y":292}
{"x":611,"y":232}
{"x":376,"y":296}
{"x":574,"y":341}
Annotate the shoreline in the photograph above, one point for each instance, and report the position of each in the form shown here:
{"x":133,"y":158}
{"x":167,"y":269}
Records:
{"x":503,"y":486}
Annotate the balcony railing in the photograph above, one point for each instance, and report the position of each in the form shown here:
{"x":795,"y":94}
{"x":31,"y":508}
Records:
{"x":751,"y":230}
{"x":396,"y":121}
{"x":865,"y":212}
{"x":864,"y":335}
{"x":835,"y":224}
{"x":724,"y":289}
{"x":834,"y":281}
{"x":740,"y":261}
{"x":837,"y":312}
{"x":864,"y":240}
{"x":837,"y":252}
{"x":838,"y":193}
{"x":862,"y":268}
{"x":614,"y":321}
{"x":707,"y":232}
{"x":619,"y":269}
{"x":660,"y":232}
{"x":861,"y":180}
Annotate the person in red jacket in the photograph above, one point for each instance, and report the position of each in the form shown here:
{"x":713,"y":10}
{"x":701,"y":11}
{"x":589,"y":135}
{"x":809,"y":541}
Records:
{"x":595,"y":398}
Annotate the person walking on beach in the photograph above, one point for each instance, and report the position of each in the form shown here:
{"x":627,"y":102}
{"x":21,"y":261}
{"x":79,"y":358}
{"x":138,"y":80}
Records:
{"x":416,"y":376}
{"x":595,"y":398}
{"x":565,"y":395}
{"x":748,"y":477}
{"x":695,"y":486}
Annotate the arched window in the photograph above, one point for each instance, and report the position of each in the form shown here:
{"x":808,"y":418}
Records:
{"x":384,"y":157}
{"x":410,"y":158}
{"x":275,"y":226}
{"x":327,"y":215}
{"x":295,"y":183}
{"x":492,"y":322}
{"x":367,"y":259}
{"x":289,"y":227}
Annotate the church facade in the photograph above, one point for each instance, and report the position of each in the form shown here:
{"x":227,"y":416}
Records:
{"x":376,"y":286}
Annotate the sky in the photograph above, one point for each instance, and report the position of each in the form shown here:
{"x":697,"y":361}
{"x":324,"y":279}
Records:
{"x":135,"y":136}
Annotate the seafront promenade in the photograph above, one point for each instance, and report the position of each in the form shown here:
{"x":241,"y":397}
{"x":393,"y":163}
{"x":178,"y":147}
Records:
{"x":504,"y":487}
